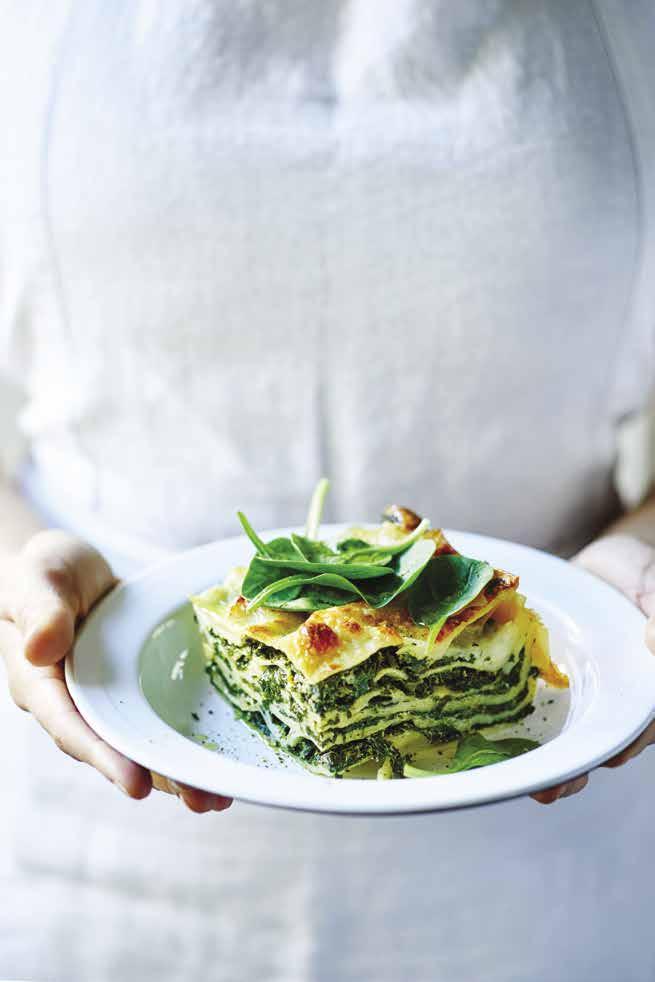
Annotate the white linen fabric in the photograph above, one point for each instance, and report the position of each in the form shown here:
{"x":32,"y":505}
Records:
{"x":407,"y":244}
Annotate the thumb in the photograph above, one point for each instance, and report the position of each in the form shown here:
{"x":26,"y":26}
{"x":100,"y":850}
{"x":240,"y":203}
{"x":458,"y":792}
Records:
{"x":44,"y":609}
{"x":56,"y":580}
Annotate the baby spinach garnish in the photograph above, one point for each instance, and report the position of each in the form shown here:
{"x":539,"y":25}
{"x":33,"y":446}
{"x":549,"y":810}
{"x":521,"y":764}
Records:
{"x":353,"y":545}
{"x":448,"y":584}
{"x":405,"y":570}
{"x":263,"y":586}
{"x":280,"y":549}
{"x":312,"y":550}
{"x":302,"y":573}
{"x":365,"y":551}
{"x":474,"y":750}
{"x":282,"y":593}
{"x":260,"y":546}
{"x":329,"y":564}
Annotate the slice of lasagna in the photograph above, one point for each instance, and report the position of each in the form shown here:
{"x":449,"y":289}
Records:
{"x":359,"y":652}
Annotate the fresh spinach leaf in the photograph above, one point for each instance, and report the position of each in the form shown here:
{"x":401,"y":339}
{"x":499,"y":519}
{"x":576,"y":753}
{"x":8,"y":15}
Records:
{"x":313,"y":550}
{"x":371,"y":555}
{"x":367,"y":551}
{"x":404,"y":572}
{"x":317,"y":596}
{"x":263,"y":584}
{"x":259,"y":545}
{"x":353,"y":545}
{"x":282,"y":548}
{"x":353,"y":571}
{"x":448,"y":584}
{"x":275,"y":594}
{"x":268,"y":568}
{"x":260,"y":576}
{"x":475,"y":751}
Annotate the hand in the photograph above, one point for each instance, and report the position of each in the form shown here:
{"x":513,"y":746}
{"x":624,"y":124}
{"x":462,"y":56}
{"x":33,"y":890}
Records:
{"x":44,"y":591}
{"x":628,"y":564}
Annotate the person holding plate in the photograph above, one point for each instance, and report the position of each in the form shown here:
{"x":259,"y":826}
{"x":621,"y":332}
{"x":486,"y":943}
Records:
{"x":410,"y":245}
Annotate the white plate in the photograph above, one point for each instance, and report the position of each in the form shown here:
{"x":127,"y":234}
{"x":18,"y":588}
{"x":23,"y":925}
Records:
{"x":136,"y":676}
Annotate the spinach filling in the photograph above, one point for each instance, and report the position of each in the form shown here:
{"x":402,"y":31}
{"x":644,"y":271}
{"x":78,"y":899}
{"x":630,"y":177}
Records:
{"x":378,"y":748}
{"x":272,"y":697}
